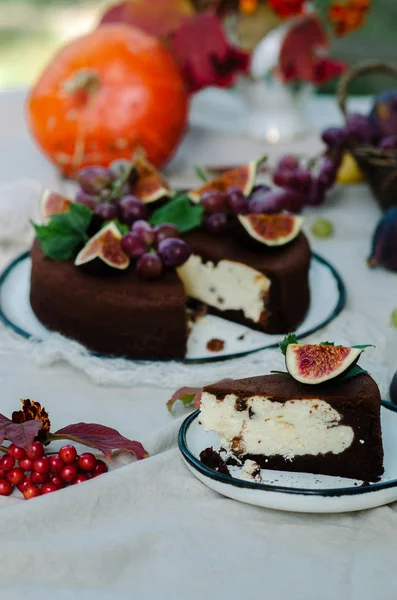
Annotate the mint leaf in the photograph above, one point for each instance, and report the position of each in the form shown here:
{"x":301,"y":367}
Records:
{"x":364,"y":346}
{"x":180,"y":212}
{"x":59,"y":238}
{"x":200,"y":173}
{"x":289,"y":339}
{"x":353,"y":372}
{"x":327,"y":344}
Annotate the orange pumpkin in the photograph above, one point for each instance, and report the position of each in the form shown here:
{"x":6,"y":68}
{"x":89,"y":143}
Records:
{"x":105,"y":95}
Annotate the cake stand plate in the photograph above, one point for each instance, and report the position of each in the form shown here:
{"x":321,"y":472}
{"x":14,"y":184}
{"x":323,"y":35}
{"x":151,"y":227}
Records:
{"x":328,"y":297}
{"x":296,"y":492}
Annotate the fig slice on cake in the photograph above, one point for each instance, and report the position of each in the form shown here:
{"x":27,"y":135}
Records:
{"x":106,"y":246}
{"x":150,"y":185}
{"x":242,"y":177}
{"x":52,"y":203}
{"x":318,"y":363}
{"x":272,"y":229}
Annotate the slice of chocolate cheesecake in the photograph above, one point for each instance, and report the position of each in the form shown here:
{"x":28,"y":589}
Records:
{"x":281,"y":424}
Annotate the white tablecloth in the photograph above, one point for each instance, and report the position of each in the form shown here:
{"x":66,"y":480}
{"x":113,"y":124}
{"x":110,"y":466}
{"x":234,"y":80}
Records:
{"x":150,"y":529}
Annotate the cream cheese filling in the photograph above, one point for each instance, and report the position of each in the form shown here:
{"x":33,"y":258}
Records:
{"x":227,"y":285}
{"x":263,"y":426}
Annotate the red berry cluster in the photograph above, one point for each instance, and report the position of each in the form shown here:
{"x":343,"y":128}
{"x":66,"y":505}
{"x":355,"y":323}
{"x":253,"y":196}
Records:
{"x":35,"y":474}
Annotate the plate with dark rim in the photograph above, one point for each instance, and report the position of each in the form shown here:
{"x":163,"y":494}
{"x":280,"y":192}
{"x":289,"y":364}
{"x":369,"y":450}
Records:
{"x":296,"y":492}
{"x":328,"y":298}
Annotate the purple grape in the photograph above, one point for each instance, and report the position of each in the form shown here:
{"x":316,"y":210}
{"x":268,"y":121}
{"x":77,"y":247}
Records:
{"x":328,"y":173}
{"x":86,"y":199}
{"x":389,"y":143}
{"x":132,"y":209}
{"x":216,"y":223}
{"x":174,"y":252}
{"x":334,"y":137}
{"x":360,"y":128}
{"x":269,"y":202}
{"x":213,"y":202}
{"x":316,"y":195}
{"x":285,"y":178}
{"x":236,"y":201}
{"x":94,"y":179}
{"x":166,"y":230}
{"x":288,"y":162}
{"x":291,"y":200}
{"x":145,"y":230}
{"x":149,"y":265}
{"x":133,"y":244}
{"x":106,"y":211}
{"x":303,"y":181}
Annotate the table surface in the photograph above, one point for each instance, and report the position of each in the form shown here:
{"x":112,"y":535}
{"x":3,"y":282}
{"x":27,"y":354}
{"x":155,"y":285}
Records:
{"x":150,"y":529}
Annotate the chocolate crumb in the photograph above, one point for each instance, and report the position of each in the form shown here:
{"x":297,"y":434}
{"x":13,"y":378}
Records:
{"x":212,"y":459}
{"x":250,"y":412}
{"x":240,"y":404}
{"x":241,"y":337}
{"x":220,"y":300}
{"x":215,"y":345}
{"x":197,"y":312}
{"x":364,"y":483}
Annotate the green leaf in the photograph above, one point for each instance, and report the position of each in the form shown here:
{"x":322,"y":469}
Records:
{"x":353,"y":372}
{"x":200,"y":173}
{"x":289,"y":339}
{"x":180,"y":212}
{"x":187,"y":399}
{"x":364,"y":346}
{"x":280,"y":372}
{"x":59,"y":238}
{"x":327,"y":344}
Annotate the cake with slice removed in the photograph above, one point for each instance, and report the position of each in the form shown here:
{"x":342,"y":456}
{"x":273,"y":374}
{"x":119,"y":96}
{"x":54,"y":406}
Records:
{"x":282,"y":424}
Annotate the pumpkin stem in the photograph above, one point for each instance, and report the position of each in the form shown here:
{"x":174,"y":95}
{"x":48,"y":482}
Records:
{"x":84,"y":80}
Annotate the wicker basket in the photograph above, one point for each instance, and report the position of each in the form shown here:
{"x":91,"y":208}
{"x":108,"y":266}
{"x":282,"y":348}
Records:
{"x":379,"y":167}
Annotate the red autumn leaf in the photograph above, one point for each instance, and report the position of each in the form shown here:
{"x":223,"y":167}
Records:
{"x":156,"y":17}
{"x":4,"y":421}
{"x":189,"y":395}
{"x":105,"y":439}
{"x":205,"y":55}
{"x":23,"y":434}
{"x":301,"y":55}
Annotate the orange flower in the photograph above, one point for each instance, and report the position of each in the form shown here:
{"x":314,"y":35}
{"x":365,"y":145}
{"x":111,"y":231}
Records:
{"x":33,"y":411}
{"x":348,"y":16}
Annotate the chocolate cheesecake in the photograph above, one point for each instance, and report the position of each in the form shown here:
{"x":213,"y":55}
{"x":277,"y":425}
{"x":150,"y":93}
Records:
{"x":117,"y":313}
{"x":281,"y":424}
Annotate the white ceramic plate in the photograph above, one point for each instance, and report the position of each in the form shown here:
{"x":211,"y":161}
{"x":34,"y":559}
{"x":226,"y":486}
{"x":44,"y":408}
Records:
{"x":298,"y":492}
{"x":328,"y":298}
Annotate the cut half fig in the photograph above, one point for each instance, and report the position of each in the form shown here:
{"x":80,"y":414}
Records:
{"x":272,"y":229}
{"x":150,"y":185}
{"x":105,"y":245}
{"x":317,"y":363}
{"x":52,"y":203}
{"x":241,"y":177}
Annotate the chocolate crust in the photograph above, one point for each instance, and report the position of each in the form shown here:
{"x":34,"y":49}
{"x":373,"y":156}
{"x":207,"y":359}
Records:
{"x":116,"y":315}
{"x":357,"y":400}
{"x":287,"y":267}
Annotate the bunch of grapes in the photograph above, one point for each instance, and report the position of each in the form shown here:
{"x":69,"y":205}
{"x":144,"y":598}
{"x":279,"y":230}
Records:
{"x":154,"y":248}
{"x":35,"y":474}
{"x":358,"y":130}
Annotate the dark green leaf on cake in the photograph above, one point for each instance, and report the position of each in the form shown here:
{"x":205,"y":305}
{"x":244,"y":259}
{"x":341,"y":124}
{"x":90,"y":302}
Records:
{"x":327,"y":344}
{"x":364,"y":346}
{"x":200,"y":173}
{"x":59,"y":238}
{"x":289,"y":339}
{"x":180,"y":212}
{"x":353,"y":372}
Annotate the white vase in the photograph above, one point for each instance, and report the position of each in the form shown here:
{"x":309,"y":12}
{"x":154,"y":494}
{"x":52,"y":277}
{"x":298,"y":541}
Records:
{"x":274,"y":112}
